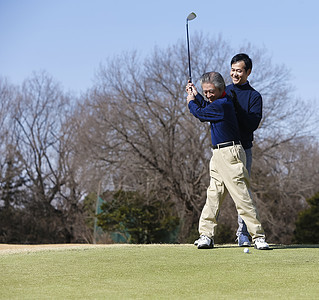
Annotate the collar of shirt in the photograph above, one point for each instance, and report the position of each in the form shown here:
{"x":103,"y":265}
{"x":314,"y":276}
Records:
{"x":223,"y":95}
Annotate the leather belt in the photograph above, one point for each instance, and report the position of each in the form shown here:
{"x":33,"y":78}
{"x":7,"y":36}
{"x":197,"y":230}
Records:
{"x":227,"y":144}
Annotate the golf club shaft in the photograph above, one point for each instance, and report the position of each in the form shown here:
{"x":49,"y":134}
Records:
{"x":189,"y":56}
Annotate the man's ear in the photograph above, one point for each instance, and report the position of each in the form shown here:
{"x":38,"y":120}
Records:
{"x":248,"y":72}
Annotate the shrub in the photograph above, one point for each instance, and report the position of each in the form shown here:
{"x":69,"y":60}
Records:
{"x":307,"y":224}
{"x":144,"y":219}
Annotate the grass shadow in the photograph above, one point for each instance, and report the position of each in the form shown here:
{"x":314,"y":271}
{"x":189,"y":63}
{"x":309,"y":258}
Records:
{"x":295,"y":246}
{"x":272,"y":246}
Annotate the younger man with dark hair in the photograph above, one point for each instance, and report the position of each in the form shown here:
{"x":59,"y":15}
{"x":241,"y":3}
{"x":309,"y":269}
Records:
{"x":248,"y":107}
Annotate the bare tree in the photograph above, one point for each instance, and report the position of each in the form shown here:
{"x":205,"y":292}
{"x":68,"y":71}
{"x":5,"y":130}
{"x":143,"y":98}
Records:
{"x":140,"y":129}
{"x":11,"y":177}
{"x":7,"y":97}
{"x":43,"y":148}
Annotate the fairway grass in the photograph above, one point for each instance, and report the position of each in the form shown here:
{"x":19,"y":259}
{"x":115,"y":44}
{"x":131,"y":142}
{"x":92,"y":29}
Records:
{"x":160,"y":272}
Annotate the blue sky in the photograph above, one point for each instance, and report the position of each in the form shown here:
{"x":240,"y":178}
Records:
{"x":70,"y":38}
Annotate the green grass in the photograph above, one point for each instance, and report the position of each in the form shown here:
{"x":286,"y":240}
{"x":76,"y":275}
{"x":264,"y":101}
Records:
{"x":161,"y":272}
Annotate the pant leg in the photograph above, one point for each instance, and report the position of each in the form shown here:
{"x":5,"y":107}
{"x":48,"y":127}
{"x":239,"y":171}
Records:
{"x":230,"y":162}
{"x":216,"y":193}
{"x":242,"y":228}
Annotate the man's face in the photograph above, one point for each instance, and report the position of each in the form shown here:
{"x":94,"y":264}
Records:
{"x":211,"y":92}
{"x":238,"y":73}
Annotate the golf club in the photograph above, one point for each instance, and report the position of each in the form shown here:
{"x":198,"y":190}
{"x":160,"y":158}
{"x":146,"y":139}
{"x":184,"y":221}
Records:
{"x":190,"y":17}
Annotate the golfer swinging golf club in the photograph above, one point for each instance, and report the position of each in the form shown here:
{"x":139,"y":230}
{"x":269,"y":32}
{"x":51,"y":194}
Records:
{"x":227,"y":165}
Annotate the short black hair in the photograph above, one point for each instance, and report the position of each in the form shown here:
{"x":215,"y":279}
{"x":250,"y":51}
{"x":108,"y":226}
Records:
{"x":243,"y":57}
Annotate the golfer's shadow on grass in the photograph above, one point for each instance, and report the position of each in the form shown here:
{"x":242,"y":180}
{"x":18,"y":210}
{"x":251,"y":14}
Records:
{"x":216,"y":246}
{"x":296,"y":246}
{"x":271,"y":246}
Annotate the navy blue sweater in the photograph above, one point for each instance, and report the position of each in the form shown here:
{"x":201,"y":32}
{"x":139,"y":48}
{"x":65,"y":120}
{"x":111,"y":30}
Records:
{"x":221,"y":115}
{"x":249,"y":111}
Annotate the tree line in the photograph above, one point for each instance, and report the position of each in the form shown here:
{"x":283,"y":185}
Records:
{"x":132,"y":131}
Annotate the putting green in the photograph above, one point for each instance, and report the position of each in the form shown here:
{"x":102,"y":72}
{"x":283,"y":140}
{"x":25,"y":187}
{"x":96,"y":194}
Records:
{"x":158,"y":272}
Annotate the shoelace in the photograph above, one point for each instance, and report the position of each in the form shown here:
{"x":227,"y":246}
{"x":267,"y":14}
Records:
{"x":204,"y":237}
{"x":260,"y":240}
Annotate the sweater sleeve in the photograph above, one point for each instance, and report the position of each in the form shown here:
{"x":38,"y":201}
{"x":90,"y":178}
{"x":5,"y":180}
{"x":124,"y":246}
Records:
{"x":212,"y":112}
{"x":249,"y":121}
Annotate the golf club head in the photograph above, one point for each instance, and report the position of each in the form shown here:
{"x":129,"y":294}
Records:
{"x":191,"y":16}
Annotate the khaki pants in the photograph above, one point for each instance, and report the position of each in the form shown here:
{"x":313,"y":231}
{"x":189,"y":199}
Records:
{"x":229,"y":174}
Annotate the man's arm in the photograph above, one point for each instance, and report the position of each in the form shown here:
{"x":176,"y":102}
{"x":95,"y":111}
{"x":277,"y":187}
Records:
{"x":212,"y":112}
{"x":249,"y":121}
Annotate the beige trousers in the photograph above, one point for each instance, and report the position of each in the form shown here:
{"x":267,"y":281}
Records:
{"x":229,"y":174}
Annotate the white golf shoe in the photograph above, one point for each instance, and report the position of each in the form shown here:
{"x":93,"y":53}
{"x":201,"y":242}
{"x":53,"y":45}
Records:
{"x":260,"y":244}
{"x":204,"y":242}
